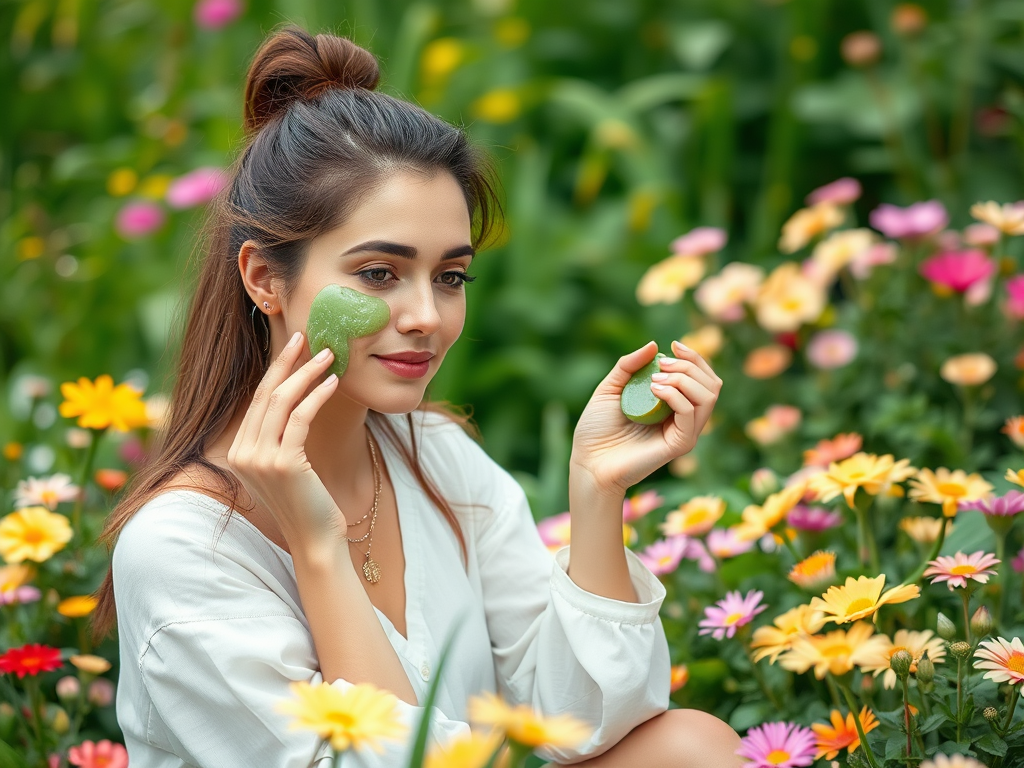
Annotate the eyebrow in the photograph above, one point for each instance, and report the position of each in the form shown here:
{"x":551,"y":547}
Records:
{"x":407,"y":251}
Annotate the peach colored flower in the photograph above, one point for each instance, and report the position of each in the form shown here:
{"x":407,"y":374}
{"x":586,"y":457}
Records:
{"x":968,"y":370}
{"x":840,"y":447}
{"x":833,"y":348}
{"x":788,"y":299}
{"x":694,"y":518}
{"x":838,"y":251}
{"x":721,"y":297}
{"x":808,"y":223}
{"x":667,"y":281}
{"x":706,"y":341}
{"x":1007,"y":218}
{"x":773,"y":640}
{"x":1014,"y":429}
{"x":767,"y":362}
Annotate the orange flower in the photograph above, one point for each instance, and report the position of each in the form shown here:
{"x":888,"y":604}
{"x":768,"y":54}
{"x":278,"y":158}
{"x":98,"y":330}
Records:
{"x":842,"y":733}
{"x":767,"y":362}
{"x":111,"y":479}
{"x":100,"y":404}
{"x":840,"y":447}
{"x":680,"y":675}
{"x":758,"y":520}
{"x":814,"y":572}
{"x":1014,"y":429}
{"x":968,"y":370}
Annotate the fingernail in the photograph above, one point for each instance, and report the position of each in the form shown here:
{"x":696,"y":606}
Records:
{"x":658,"y":386}
{"x":322,"y":354}
{"x":667,"y":360}
{"x":681,"y":345}
{"x":294,"y":340}
{"x":659,"y":376}
{"x":330,"y":380}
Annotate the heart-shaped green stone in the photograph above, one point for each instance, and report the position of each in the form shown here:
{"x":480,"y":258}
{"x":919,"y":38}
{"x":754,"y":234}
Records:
{"x":638,"y":402}
{"x":339,"y":314}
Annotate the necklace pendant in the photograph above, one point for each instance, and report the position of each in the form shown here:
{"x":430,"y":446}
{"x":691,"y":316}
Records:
{"x":371,"y":570}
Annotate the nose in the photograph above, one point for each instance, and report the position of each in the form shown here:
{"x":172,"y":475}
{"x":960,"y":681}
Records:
{"x":416,"y":311}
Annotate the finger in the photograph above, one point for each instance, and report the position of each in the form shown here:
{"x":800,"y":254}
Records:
{"x":293,"y":441}
{"x":629,"y":364}
{"x":278,"y":371}
{"x":689,"y":368}
{"x":684,"y":417}
{"x":685,"y":353}
{"x":702,"y":398}
{"x":288,"y":394}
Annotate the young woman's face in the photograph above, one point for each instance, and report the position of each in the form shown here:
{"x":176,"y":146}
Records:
{"x":408,"y":244}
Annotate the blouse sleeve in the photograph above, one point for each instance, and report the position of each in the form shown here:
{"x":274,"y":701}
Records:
{"x":207,"y":683}
{"x":556,"y":646}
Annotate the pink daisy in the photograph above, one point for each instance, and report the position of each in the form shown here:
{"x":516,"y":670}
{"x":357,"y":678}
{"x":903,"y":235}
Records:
{"x":731,"y":612}
{"x":914,"y":221}
{"x":1004,"y":660}
{"x":813,"y":519}
{"x":554,"y":531}
{"x":833,"y":348}
{"x":639,"y":505}
{"x":958,"y":569}
{"x":138,"y":218}
{"x":997,"y":506}
{"x":1018,"y":562}
{"x":101,"y":754}
{"x":695,"y":550}
{"x":839,"y":192}
{"x":197,"y":187}
{"x":663,"y":555}
{"x":778,"y":745}
{"x":958,"y":270}
{"x":45,"y":491}
{"x":723,"y":543}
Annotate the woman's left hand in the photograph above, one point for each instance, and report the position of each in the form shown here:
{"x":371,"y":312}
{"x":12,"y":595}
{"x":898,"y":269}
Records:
{"x":618,"y":453}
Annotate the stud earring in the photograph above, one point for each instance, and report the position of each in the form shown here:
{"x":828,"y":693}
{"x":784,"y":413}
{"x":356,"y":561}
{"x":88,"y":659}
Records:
{"x":266,"y":306}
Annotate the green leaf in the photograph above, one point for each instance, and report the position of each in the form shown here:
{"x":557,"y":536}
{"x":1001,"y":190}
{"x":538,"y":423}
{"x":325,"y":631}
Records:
{"x":992,"y":744}
{"x":11,"y":758}
{"x":932,"y":722}
{"x":896,"y":746}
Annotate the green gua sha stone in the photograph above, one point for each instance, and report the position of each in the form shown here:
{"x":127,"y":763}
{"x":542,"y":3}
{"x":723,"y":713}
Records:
{"x":638,"y":402}
{"x":339,"y":314}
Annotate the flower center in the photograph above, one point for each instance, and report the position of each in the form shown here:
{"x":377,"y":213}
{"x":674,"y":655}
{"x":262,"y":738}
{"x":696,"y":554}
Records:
{"x":792,"y":304}
{"x":951,"y":489}
{"x":697,"y":517}
{"x":1016,"y":663}
{"x":340,"y":719}
{"x":837,"y":650}
{"x":963,"y":570}
{"x":48,"y":497}
{"x":32,"y":536}
{"x":855,"y":476}
{"x":896,"y":648}
{"x":860,"y":604}
{"x":777,"y":757}
{"x":732,"y":618}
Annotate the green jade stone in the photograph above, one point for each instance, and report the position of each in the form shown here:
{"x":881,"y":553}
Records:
{"x":638,"y":402}
{"x":339,"y":314}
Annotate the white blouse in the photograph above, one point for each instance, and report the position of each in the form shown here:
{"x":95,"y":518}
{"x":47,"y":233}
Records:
{"x":212,"y":632}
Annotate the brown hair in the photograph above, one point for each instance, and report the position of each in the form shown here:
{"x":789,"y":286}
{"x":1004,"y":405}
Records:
{"x":319,"y":140}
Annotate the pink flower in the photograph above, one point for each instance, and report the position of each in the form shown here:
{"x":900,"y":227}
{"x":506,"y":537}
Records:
{"x":663,"y":555}
{"x":214,"y":14}
{"x":196,"y":188}
{"x":981,"y":235}
{"x":958,"y":270}
{"x":958,"y":569}
{"x":730,"y":613}
{"x":997,"y":506}
{"x":778,"y":745}
{"x":20,"y":595}
{"x":700,"y":241}
{"x":138,"y":218}
{"x":915,"y":221}
{"x":102,"y":754}
{"x":554,"y":531}
{"x":1015,"y":297}
{"x":1018,"y":561}
{"x":695,"y":550}
{"x":831,"y":349}
{"x":723,"y":543}
{"x":877,"y":255}
{"x":45,"y":491}
{"x":814,"y":519}
{"x":639,"y":505}
{"x":101,"y":692}
{"x":839,"y":192}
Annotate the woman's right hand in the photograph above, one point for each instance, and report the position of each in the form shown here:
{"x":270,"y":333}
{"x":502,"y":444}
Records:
{"x":268,"y":453}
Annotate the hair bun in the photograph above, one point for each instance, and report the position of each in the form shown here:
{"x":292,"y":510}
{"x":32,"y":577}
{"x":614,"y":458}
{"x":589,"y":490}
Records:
{"x":293,"y":65}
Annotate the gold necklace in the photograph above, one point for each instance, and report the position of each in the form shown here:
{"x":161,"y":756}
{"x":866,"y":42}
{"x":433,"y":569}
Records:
{"x":371,"y":569}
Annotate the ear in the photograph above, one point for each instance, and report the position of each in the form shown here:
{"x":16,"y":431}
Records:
{"x":256,"y":276}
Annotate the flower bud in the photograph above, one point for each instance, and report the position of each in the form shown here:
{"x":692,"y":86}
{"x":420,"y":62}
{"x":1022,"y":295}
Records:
{"x":990,"y":713}
{"x":68,"y":688}
{"x":857,"y":760}
{"x":900,"y":663}
{"x":58,"y":719}
{"x":946,"y":628}
{"x":925,"y":670}
{"x":908,"y":19}
{"x":763,"y":483}
{"x":981,"y":622}
{"x":959,"y":650}
{"x":861,"y":49}
{"x":101,"y":692}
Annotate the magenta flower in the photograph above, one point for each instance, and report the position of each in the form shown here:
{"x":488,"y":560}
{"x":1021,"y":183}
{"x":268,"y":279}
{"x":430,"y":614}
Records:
{"x":639,"y":505}
{"x":1018,"y":561}
{"x":778,"y":745}
{"x":1015,"y":297}
{"x":663,"y":555}
{"x":138,"y":218}
{"x":915,"y":221}
{"x":700,"y":241}
{"x":730,"y":613}
{"x":214,"y":14}
{"x":997,"y":506}
{"x":723,"y":543}
{"x":839,"y":192}
{"x":958,"y":569}
{"x":958,"y":270}
{"x":813,"y":519}
{"x":831,"y":349}
{"x":554,"y":531}
{"x":20,"y":595}
{"x":197,"y":187}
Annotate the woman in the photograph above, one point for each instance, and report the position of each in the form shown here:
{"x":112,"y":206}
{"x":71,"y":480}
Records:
{"x":300,"y":526}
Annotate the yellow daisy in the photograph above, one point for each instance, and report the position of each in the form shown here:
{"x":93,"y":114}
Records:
{"x":925,"y":530}
{"x":524,"y":726}
{"x":917,"y":644}
{"x":77,"y":606}
{"x":836,"y":652}
{"x":14,"y":576}
{"x":771,"y":641}
{"x":758,"y":520}
{"x":1015,"y":476}
{"x":814,"y":572}
{"x":862,"y":470}
{"x":471,"y":751}
{"x":948,"y":488}
{"x":356,"y":717}
{"x":695,"y":517}
{"x":860,"y":598}
{"x":33,"y":533}
{"x":100,"y":404}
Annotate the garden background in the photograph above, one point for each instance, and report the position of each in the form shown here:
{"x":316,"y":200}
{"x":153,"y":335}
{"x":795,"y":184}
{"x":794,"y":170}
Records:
{"x":617,"y":128}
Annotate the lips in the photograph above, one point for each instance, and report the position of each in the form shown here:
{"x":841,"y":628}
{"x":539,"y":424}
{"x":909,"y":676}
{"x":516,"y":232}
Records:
{"x":407,"y":357}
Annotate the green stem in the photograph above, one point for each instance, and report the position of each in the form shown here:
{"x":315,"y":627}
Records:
{"x":867,"y":548}
{"x":834,"y":691}
{"x":908,"y":719}
{"x":761,"y":681}
{"x":32,"y":687}
{"x":518,"y":754}
{"x":959,"y":697}
{"x":790,"y":546}
{"x":90,"y":457}
{"x":1004,"y":580}
{"x":1014,"y":695}
{"x":852,"y":704}
{"x":336,"y":760}
{"x":965,"y":597}
{"x":916,"y":575}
